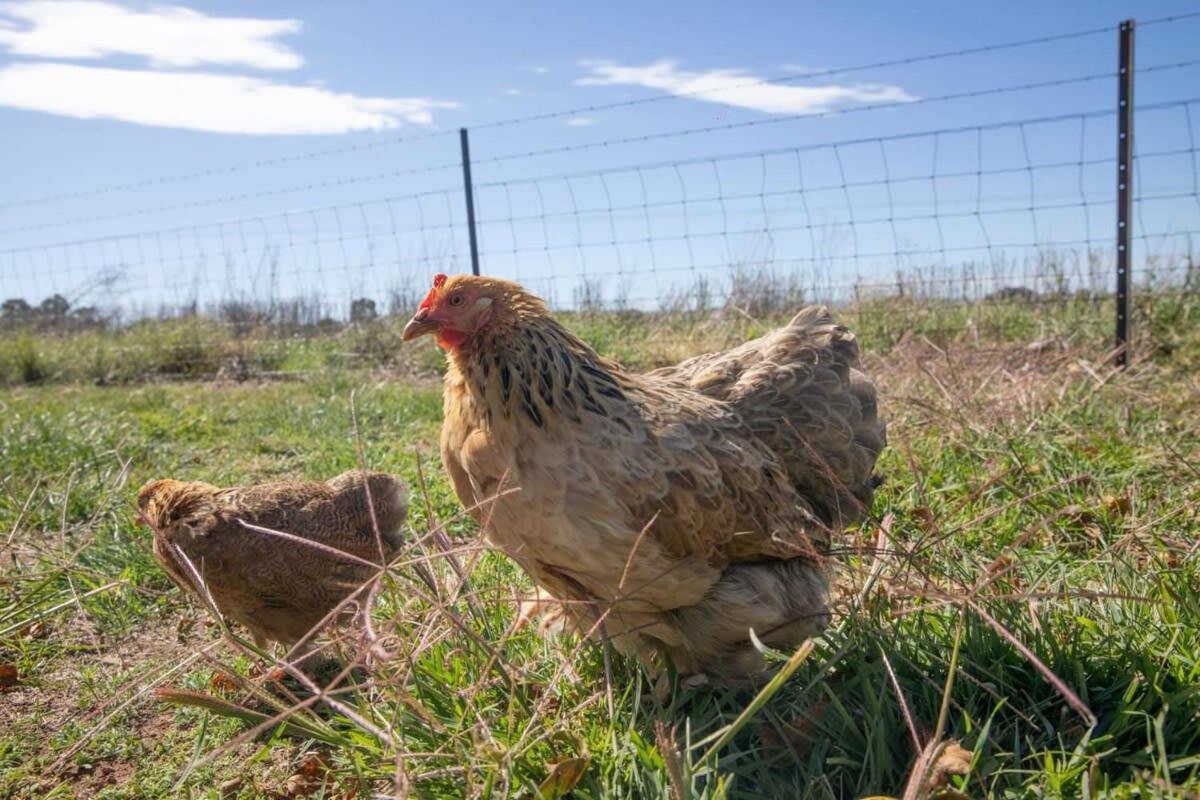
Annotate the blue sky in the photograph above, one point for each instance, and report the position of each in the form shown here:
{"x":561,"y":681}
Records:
{"x":350,"y":112}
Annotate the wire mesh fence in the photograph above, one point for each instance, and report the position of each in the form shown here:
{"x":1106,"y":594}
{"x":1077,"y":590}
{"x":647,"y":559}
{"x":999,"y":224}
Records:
{"x":924,"y":209}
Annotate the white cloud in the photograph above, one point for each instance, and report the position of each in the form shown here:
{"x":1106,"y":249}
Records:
{"x":536,"y":69}
{"x":736,"y":87}
{"x":802,"y":69}
{"x":203,"y":101}
{"x":580,"y":122}
{"x":168,"y":36}
{"x":512,"y":92}
{"x":165,"y":35}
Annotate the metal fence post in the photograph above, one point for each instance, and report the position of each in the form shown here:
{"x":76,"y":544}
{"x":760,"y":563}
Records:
{"x":469,"y":190}
{"x":1124,"y":184}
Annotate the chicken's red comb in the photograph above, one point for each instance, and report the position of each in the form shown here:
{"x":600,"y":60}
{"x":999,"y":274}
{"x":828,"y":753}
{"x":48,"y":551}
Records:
{"x":438,"y":280}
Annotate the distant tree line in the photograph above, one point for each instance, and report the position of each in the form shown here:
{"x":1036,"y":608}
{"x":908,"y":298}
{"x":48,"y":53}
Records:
{"x":52,"y":314}
{"x":55,"y":314}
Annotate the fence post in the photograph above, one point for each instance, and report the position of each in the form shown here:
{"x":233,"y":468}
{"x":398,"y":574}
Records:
{"x":1124,"y":184}
{"x":469,"y":190}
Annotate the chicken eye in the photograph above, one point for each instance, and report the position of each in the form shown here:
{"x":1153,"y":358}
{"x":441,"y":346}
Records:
{"x":456,"y":299}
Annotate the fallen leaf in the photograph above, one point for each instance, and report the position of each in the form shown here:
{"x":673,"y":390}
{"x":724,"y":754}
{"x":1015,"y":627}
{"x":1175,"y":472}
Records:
{"x":230,"y":788}
{"x":8,"y":676}
{"x":300,"y":786}
{"x":925,"y":517}
{"x":1115,"y":504}
{"x":268,"y":674}
{"x":184,"y":628}
{"x":562,"y":778}
{"x":314,"y":765}
{"x":313,"y":775}
{"x":947,"y":793}
{"x":1076,"y":514}
{"x":1001,"y":564}
{"x":34,"y":630}
{"x":954,"y":760}
{"x":936,"y":761}
{"x":221,"y":682}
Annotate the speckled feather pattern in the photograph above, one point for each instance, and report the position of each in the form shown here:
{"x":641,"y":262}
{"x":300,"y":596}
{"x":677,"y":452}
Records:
{"x":278,"y":588}
{"x":741,"y":466}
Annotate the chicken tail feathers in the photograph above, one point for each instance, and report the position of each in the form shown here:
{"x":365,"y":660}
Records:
{"x":805,"y":395}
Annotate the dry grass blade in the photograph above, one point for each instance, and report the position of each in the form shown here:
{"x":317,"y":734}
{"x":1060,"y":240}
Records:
{"x":20,"y":516}
{"x":324,"y":548}
{"x":934,"y":762}
{"x":989,"y":443}
{"x":908,"y":719}
{"x":423,"y":571}
{"x":677,"y":778}
{"x":883,"y":537}
{"x":366,"y":484}
{"x":50,"y":611}
{"x":82,"y":741}
{"x":633,"y":551}
{"x":1055,"y":681}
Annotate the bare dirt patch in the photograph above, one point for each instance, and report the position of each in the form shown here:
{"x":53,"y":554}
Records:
{"x":61,"y":695}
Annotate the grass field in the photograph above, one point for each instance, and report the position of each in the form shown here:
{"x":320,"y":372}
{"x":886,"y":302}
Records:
{"x":1028,"y":585}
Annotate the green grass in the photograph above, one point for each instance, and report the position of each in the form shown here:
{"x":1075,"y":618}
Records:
{"x":198,"y":347}
{"x":1031,"y":495}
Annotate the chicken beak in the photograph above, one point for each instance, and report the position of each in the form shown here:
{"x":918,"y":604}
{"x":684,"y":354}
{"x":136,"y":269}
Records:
{"x":419,"y":325}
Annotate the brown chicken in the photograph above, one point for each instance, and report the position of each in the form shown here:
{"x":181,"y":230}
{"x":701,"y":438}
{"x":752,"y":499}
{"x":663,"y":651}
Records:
{"x":689,"y":505}
{"x":280,"y":589}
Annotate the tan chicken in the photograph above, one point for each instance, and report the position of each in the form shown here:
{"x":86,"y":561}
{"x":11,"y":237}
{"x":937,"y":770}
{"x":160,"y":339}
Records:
{"x":689,"y":505}
{"x":280,"y":589}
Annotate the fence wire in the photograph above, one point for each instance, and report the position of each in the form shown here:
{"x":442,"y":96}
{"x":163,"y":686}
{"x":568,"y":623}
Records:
{"x":949,"y":218}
